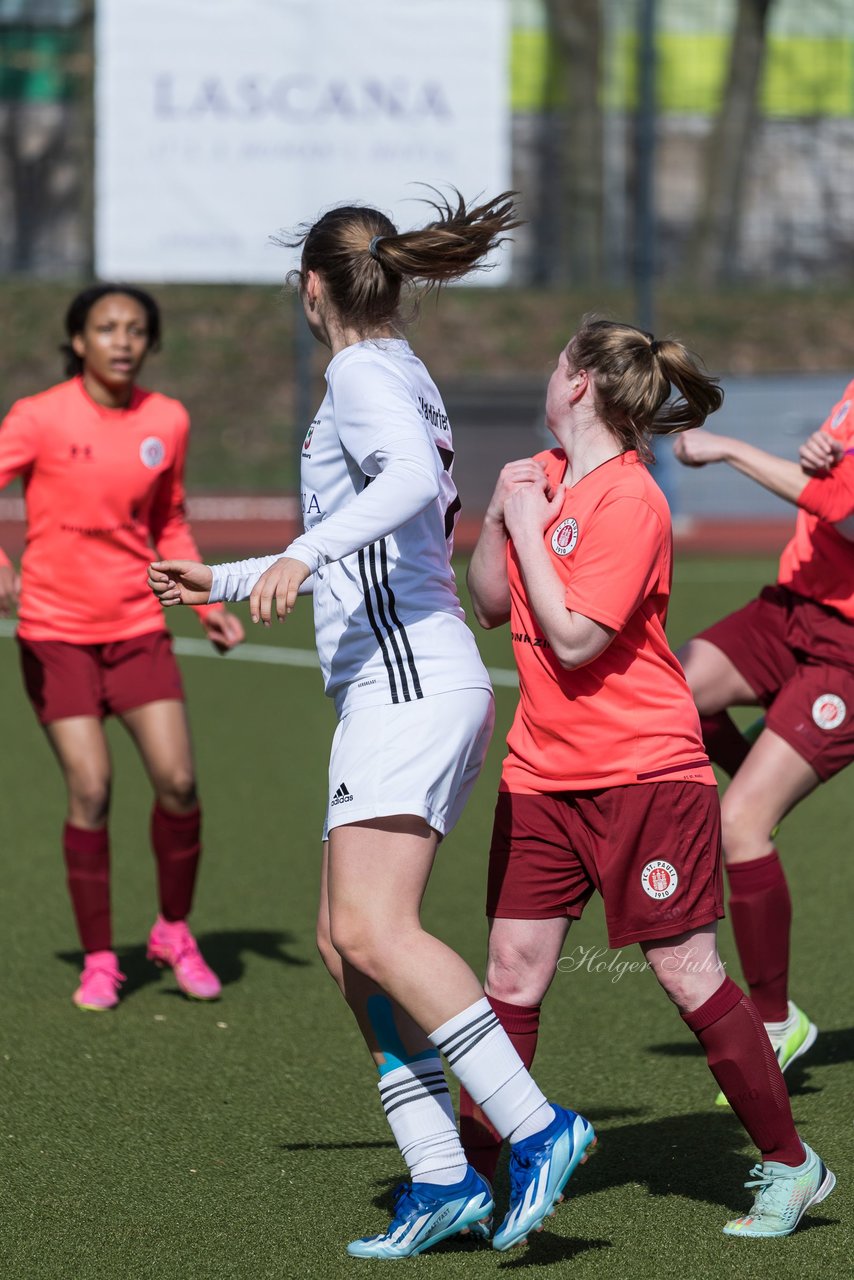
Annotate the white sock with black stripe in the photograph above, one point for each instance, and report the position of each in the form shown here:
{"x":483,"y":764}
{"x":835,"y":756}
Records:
{"x":418,"y":1107}
{"x":483,"y":1059}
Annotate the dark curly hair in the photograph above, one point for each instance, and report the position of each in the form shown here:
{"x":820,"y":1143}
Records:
{"x":78,"y":311}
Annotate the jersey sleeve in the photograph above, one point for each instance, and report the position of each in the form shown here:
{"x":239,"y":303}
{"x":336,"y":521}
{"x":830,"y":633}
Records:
{"x":618,"y":562}
{"x":170,"y":530}
{"x":19,"y":442}
{"x":380,"y":427}
{"x":235,"y":580}
{"x":831,"y":497}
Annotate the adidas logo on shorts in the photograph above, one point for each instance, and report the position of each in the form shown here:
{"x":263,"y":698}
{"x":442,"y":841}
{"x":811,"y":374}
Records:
{"x":342,"y":796}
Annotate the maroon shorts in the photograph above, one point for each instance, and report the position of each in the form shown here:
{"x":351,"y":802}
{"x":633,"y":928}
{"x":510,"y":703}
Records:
{"x":652,"y":850}
{"x":798,"y":658}
{"x":99,"y":680}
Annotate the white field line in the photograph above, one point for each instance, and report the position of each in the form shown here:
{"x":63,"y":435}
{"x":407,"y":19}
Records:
{"x":187,"y":647}
{"x":745,"y":571}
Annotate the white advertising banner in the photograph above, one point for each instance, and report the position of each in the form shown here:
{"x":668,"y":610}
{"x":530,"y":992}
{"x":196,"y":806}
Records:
{"x":220,"y":123}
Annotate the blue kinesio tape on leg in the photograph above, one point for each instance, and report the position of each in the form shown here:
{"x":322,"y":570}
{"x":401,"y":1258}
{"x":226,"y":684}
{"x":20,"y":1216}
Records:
{"x":389,"y":1043}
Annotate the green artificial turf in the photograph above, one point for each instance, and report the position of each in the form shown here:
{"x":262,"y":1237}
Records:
{"x":244,"y":1139}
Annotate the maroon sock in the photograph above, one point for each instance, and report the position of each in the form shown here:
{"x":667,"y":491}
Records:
{"x":760,"y":911}
{"x":482,"y":1143}
{"x":87,"y":864}
{"x":724,"y":741}
{"x":742,"y":1061}
{"x":176,"y":841}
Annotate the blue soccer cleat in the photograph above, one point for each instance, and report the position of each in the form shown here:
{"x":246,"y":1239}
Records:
{"x":540,"y":1167}
{"x":425,"y":1213}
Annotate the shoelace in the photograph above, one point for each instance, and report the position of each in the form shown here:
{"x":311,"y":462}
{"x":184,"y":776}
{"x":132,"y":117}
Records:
{"x":401,"y":1194}
{"x":519,"y":1168}
{"x":760,"y":1178}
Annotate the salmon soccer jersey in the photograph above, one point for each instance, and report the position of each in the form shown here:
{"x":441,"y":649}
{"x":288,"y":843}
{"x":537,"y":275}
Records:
{"x":627,"y":716}
{"x":818,"y":562}
{"x":102,"y":487}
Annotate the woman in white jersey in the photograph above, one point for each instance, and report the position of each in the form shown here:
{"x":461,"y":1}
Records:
{"x":415,"y":716}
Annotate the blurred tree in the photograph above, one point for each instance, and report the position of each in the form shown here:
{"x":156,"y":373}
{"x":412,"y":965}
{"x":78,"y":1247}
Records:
{"x":713,"y":247}
{"x":576,"y":183}
{"x":45,"y":134}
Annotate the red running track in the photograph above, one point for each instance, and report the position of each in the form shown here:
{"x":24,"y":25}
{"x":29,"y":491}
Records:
{"x":246,"y":526}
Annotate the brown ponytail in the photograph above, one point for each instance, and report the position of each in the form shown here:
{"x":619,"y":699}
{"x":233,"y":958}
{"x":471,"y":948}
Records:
{"x":634,"y":376}
{"x":365,"y":261}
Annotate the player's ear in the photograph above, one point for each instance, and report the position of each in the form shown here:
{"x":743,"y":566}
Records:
{"x":78,"y":345}
{"x":313,"y":288}
{"x":578,"y":384}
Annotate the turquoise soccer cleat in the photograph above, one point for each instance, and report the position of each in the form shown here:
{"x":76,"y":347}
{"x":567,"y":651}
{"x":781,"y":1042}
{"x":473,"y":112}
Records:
{"x":783,"y":1197}
{"x":425,"y":1213}
{"x":540,"y":1167}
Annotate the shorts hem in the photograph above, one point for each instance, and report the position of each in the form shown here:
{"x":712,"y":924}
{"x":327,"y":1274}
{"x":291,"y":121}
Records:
{"x":763,"y":699}
{"x":564,"y":913}
{"x":144,"y":702}
{"x":433,"y":819}
{"x":105,"y":713}
{"x":824,"y":774}
{"x":660,"y":932}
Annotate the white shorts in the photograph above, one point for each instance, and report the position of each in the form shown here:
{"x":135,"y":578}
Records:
{"x":419,"y":757}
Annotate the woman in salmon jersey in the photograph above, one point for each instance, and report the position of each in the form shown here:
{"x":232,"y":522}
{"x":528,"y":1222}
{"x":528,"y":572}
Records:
{"x":606,"y":785}
{"x":790,"y":651}
{"x":102,"y":462}
{"x":415,"y":711}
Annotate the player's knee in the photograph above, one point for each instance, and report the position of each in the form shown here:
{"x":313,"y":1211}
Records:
{"x":690,"y":986}
{"x":516,"y":978}
{"x":742,"y":825}
{"x":88,"y":800}
{"x":177,"y":792}
{"x":358,"y":944}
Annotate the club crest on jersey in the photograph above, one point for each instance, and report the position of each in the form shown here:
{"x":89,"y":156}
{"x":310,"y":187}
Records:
{"x":828,"y":711}
{"x":152,"y":451}
{"x":659,"y":879}
{"x":565,"y":537}
{"x":840,"y":415}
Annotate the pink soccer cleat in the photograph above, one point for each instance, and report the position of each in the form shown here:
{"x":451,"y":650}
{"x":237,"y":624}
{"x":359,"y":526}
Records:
{"x":99,"y":982}
{"x":171,"y":943}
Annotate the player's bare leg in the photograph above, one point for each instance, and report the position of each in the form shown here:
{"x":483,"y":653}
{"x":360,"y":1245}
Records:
{"x":377,"y":874}
{"x":773,"y":779}
{"x":715,"y":682}
{"x":716,"y":685}
{"x":521,"y":964}
{"x":161,"y":733}
{"x":412,"y":1085}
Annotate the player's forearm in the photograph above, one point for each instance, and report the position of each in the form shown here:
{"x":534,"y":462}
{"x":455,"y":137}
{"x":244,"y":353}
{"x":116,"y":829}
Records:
{"x":779,"y":475}
{"x":235,"y":580}
{"x":574,"y":639}
{"x":401,"y":491}
{"x":487,"y":575}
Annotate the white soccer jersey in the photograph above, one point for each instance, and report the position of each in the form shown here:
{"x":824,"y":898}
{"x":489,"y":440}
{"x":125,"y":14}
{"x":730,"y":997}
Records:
{"x":379,"y":505}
